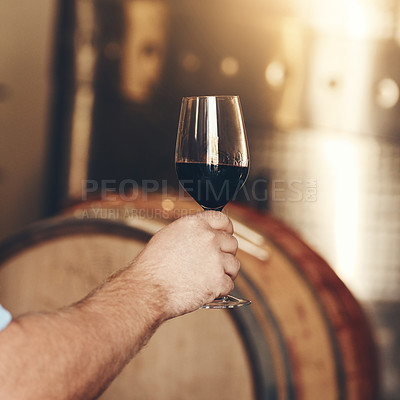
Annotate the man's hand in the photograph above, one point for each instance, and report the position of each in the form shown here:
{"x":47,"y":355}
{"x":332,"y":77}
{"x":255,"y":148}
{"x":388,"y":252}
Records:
{"x":185,"y":265}
{"x":191,"y":261}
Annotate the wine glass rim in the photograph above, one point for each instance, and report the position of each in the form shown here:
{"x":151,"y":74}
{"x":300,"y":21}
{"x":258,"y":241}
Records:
{"x":219,"y":96}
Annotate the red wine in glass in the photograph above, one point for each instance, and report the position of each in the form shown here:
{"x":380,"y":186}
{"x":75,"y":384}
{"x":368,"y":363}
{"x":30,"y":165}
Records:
{"x":211,"y":185}
{"x":212,"y":157}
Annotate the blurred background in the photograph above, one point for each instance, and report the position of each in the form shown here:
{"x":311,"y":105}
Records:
{"x":90,"y":91}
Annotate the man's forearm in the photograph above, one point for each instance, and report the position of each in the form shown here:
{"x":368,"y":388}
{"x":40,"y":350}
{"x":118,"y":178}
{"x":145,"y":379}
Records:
{"x":60,"y":353}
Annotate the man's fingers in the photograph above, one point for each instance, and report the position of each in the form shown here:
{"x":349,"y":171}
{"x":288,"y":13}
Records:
{"x":227,"y":287}
{"x":228,"y":243}
{"x":218,"y":220}
{"x":231,"y":266}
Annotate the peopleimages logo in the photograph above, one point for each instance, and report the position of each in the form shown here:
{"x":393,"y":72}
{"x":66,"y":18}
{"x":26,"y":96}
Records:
{"x":254,"y":191}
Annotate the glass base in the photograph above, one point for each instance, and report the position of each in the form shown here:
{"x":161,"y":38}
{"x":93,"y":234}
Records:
{"x":227,"y":302}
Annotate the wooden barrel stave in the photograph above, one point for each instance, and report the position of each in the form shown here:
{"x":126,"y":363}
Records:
{"x":349,"y":330}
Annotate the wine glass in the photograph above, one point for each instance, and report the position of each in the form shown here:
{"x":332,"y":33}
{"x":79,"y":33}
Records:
{"x":212,"y":157}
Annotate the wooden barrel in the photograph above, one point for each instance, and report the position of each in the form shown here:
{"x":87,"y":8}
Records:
{"x":303,"y":337}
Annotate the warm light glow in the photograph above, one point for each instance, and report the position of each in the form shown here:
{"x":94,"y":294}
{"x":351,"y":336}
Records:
{"x":275,"y":74}
{"x":351,"y":18}
{"x":167,"y":205}
{"x":356,"y":19}
{"x":229,"y":66}
{"x":191,"y":62}
{"x":387,"y":94}
{"x":342,"y":72}
{"x":342,"y":157}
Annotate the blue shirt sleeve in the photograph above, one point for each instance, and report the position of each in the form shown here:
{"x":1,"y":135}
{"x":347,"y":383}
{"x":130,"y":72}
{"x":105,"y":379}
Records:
{"x":5,"y":318}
